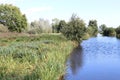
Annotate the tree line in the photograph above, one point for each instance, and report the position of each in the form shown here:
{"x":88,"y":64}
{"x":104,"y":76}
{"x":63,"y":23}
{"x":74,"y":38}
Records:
{"x":109,"y":31}
{"x":75,"y":29}
{"x":11,"y":19}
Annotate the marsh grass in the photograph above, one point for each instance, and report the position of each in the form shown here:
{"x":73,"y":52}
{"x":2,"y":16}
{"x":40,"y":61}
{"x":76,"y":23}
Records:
{"x":39,"y":57}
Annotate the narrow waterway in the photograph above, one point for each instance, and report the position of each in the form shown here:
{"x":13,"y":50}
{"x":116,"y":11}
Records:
{"x":95,"y":59}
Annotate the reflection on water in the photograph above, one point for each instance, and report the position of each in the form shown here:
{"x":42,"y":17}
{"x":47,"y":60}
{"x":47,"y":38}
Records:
{"x":76,"y":58}
{"x":96,"y":59}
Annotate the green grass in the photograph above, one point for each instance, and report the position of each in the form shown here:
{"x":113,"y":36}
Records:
{"x":33,"y":58}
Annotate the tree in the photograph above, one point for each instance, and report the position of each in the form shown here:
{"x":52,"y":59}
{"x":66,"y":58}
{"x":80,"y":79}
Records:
{"x":45,"y":25}
{"x":117,"y":32}
{"x":89,"y":30}
{"x":40,"y":26}
{"x":62,"y":24}
{"x":35,"y":27}
{"x":3,"y":28}
{"x":109,"y":32}
{"x":94,"y":27}
{"x":102,"y":28}
{"x":92,"y":23}
{"x":75,"y":29}
{"x":55,"y":23}
{"x":12,"y":17}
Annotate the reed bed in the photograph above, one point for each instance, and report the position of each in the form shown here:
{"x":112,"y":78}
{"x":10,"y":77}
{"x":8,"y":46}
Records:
{"x":40,"y":57}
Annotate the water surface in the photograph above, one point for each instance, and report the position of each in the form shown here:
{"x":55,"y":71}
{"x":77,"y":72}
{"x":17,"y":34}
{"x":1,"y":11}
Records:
{"x":95,"y":59}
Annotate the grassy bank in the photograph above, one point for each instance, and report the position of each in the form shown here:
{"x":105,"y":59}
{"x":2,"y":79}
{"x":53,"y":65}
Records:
{"x":34,"y":57}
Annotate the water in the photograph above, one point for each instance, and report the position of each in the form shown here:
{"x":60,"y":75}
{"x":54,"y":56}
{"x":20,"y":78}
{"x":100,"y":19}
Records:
{"x":95,"y":59}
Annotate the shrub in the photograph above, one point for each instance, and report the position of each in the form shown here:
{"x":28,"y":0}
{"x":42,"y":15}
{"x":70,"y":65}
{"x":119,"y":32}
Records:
{"x":109,"y":32}
{"x":3,"y":28}
{"x":75,"y":29}
{"x":13,"y":18}
{"x":117,"y":32}
{"x":35,"y":31}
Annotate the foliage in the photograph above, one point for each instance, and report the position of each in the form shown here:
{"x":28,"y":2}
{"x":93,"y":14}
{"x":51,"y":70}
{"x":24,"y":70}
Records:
{"x":62,"y":24}
{"x":102,"y":28}
{"x":33,"y":58}
{"x":55,"y":23}
{"x":35,"y":28}
{"x":3,"y":28}
{"x":89,"y":30}
{"x":109,"y":32}
{"x":117,"y":32}
{"x":85,"y":36}
{"x":41,"y":26}
{"x":12,"y":17}
{"x":45,"y":26}
{"x":92,"y":28}
{"x":35,"y":31}
{"x":75,"y":29}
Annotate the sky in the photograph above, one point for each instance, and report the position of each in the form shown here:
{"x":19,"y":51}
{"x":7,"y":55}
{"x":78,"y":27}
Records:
{"x":104,"y":11}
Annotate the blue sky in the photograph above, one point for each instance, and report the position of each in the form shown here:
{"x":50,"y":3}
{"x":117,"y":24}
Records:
{"x":104,"y":11}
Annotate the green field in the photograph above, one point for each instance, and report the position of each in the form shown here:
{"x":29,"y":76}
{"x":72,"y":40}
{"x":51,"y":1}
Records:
{"x":40,"y":57}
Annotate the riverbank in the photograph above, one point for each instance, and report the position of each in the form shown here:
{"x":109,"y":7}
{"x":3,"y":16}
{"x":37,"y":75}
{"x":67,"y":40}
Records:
{"x":40,"y":57}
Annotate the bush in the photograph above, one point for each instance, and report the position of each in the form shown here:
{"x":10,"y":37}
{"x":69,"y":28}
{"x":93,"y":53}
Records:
{"x":118,"y":32}
{"x":85,"y":36}
{"x":118,"y":35}
{"x":13,"y":18}
{"x":3,"y":28}
{"x":109,"y":32}
{"x":35,"y":31}
{"x":92,"y":28}
{"x":40,"y":26}
{"x":75,"y":29}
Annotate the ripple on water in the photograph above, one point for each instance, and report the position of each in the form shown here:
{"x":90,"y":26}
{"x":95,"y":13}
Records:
{"x":99,"y":58}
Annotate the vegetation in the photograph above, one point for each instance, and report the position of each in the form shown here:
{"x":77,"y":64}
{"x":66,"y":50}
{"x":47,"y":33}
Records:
{"x":40,"y":26}
{"x":61,"y":25}
{"x":12,"y":17}
{"x":117,"y":32}
{"x":92,"y":28}
{"x":3,"y":28}
{"x":75,"y":29}
{"x":40,"y":57}
{"x":55,"y":23}
{"x":109,"y":32}
{"x":102,"y":28}
{"x":33,"y":58}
